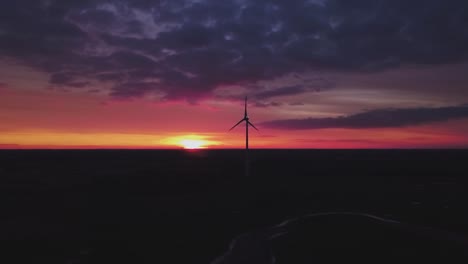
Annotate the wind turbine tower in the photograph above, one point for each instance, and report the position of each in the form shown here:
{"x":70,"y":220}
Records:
{"x":247,"y":124}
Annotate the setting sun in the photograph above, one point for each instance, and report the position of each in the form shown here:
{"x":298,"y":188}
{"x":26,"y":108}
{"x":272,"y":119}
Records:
{"x":193,"y":144}
{"x":191,"y":141}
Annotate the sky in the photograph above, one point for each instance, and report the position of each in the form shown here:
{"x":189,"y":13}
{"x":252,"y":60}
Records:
{"x":169,"y":74}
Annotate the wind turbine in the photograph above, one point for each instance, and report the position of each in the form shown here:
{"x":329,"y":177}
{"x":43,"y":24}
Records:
{"x":247,"y":124}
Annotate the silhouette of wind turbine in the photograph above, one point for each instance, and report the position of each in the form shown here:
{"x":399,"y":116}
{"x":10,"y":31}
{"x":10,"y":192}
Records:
{"x":247,"y":124}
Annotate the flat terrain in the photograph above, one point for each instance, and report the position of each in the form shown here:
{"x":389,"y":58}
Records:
{"x":124,"y":206}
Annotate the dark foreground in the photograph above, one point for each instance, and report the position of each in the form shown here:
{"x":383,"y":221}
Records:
{"x":196,"y":207}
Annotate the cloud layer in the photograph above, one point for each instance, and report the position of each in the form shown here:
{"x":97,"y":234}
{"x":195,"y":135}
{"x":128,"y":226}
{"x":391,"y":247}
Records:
{"x":381,"y":118}
{"x":185,"y":49}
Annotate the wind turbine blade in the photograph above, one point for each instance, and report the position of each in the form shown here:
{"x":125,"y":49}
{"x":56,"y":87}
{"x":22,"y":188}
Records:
{"x":236,"y":124}
{"x":252,"y":125}
{"x":245,"y":113}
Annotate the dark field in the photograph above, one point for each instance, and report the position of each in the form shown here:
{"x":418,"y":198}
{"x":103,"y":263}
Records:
{"x":112,"y":206}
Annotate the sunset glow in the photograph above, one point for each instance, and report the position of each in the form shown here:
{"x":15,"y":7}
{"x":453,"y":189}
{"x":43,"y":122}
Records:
{"x":190,"y":141}
{"x":192,"y":144}
{"x":143,"y":80}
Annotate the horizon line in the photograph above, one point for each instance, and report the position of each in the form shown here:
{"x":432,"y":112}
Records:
{"x":234,"y":148}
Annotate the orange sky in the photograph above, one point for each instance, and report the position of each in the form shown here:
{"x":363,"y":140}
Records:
{"x":57,"y":119}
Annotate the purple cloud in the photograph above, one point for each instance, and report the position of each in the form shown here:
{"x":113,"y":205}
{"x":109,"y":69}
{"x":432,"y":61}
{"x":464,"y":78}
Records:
{"x":380,"y":118}
{"x":192,"y":48}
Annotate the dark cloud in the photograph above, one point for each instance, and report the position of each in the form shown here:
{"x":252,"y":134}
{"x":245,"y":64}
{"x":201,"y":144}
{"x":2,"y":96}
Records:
{"x":289,"y":90}
{"x":296,"y":104}
{"x":32,"y":31}
{"x":383,"y":118}
{"x":267,"y":104}
{"x":94,"y":18}
{"x":310,"y":85}
{"x":193,"y":47}
{"x":64,"y":79}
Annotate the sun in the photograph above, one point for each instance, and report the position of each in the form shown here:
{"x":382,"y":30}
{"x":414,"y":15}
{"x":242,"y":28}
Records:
{"x":193,"y":143}
{"x":190,"y":141}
